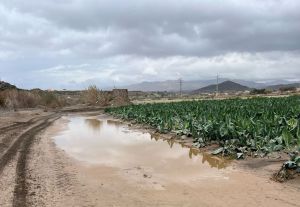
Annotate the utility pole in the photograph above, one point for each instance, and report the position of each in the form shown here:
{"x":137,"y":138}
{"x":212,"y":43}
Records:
{"x":217,"y":85}
{"x":180,"y":87}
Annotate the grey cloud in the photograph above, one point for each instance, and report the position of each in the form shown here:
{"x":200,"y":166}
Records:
{"x":167,"y":28}
{"x":148,"y":40}
{"x":126,"y":70}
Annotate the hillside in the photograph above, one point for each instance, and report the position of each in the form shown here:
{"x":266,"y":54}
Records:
{"x":277,"y":87}
{"x":5,"y":85}
{"x":226,"y":86}
{"x":173,"y":85}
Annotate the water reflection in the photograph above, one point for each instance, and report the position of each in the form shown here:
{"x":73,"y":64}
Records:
{"x":213,"y":161}
{"x":115,"y":145}
{"x":157,"y":137}
{"x":170,"y":142}
{"x":93,"y":124}
{"x":114,"y":123}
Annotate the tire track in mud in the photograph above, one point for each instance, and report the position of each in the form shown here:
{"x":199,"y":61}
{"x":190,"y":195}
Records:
{"x":7,"y":140}
{"x":13,"y":144}
{"x":16,"y":144}
{"x":17,"y":125}
{"x":24,"y":144}
{"x":13,"y":126}
{"x":10,"y":150}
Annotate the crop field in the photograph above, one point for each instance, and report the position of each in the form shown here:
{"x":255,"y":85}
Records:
{"x":240,"y":126}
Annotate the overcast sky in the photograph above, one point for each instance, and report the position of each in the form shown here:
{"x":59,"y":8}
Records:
{"x":74,"y":43}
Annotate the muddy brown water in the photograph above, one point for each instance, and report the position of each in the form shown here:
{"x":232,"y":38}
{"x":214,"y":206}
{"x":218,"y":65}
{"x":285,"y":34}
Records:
{"x":121,"y":166}
{"x":111,"y":143}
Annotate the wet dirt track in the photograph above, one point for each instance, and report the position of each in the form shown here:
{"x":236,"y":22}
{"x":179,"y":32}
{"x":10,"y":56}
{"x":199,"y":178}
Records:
{"x":16,"y":140}
{"x":39,"y":167}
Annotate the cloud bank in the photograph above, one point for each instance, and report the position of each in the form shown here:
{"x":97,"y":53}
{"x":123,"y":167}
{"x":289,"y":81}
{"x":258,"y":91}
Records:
{"x":74,"y":43}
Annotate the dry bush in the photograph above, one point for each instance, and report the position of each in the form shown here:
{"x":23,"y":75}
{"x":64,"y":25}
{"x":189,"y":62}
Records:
{"x":105,"y":98}
{"x":91,"y":95}
{"x":259,"y":91}
{"x":13,"y":99}
{"x":19,"y":99}
{"x":288,"y":89}
{"x":51,"y":100}
{"x":2,"y":100}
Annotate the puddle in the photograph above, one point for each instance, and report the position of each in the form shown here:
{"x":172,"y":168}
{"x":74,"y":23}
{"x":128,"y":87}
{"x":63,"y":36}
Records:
{"x":105,"y":142}
{"x":119,"y":166}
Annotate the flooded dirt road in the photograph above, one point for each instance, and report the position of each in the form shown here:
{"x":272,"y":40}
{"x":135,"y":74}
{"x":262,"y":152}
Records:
{"x":134,"y":156}
{"x":82,"y":160}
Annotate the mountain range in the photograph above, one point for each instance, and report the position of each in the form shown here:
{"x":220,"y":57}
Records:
{"x":226,"y":86}
{"x":290,"y":85}
{"x":174,"y":85}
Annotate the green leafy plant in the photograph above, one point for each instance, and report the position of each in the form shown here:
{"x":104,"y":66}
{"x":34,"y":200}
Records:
{"x":240,"y":126}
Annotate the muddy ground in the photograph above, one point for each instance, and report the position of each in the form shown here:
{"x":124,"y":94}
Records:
{"x":35,"y":172}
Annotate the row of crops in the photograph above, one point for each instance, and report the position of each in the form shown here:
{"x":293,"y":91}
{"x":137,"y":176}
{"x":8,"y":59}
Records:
{"x":240,"y":126}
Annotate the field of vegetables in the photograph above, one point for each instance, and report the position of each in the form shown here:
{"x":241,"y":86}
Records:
{"x":240,"y":126}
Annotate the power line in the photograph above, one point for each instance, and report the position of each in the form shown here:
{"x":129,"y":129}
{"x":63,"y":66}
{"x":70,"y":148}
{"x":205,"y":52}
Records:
{"x":217,"y":85}
{"x":180,"y":86}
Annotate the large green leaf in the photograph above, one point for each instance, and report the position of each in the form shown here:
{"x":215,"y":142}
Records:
{"x":292,"y":123}
{"x":218,"y":151}
{"x":287,"y":137}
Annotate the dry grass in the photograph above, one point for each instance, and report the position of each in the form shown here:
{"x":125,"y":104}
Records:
{"x":50,"y":100}
{"x":19,"y":99}
{"x":2,"y":100}
{"x":92,"y":95}
{"x":13,"y":99}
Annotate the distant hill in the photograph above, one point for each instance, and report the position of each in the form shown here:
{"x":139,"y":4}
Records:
{"x":169,"y":85}
{"x":5,"y":85}
{"x":173,"y":85}
{"x":277,"y":87}
{"x":226,"y":86}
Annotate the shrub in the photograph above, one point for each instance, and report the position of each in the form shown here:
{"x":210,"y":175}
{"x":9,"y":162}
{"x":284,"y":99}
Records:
{"x":92,"y":95}
{"x":258,"y":91}
{"x":50,"y":100}
{"x":19,"y":99}
{"x":13,"y":99}
{"x":286,"y":89}
{"x":2,"y":100}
